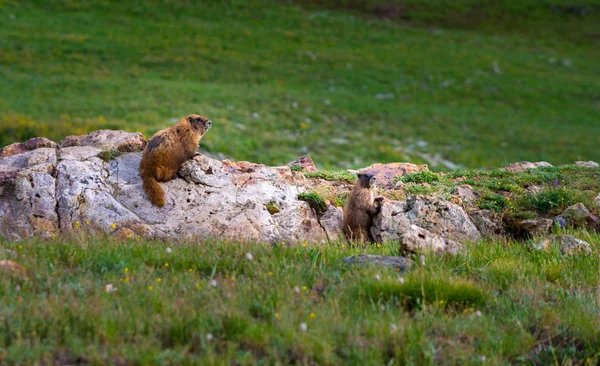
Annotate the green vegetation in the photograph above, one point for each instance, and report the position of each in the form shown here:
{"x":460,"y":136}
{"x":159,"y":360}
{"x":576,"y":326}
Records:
{"x":314,"y":200}
{"x":424,"y":176}
{"x":476,"y":84}
{"x":296,"y":168}
{"x":108,"y":154}
{"x":500,"y":300}
{"x":272,"y":208}
{"x":332,"y":175}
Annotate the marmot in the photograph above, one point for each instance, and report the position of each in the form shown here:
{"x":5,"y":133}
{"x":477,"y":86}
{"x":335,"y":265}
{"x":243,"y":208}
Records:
{"x":167,"y":150}
{"x":361,"y":208}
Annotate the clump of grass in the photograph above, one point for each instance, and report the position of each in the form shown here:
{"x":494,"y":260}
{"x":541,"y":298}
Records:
{"x":332,"y":175}
{"x":424,"y":176}
{"x":466,"y":173}
{"x":272,"y":208}
{"x":296,"y":168}
{"x":340,"y":199}
{"x":502,"y":185}
{"x":414,"y":189}
{"x":416,"y":291}
{"x":494,"y":202}
{"x":314,"y":200}
{"x":550,"y":201}
{"x":107,"y":154}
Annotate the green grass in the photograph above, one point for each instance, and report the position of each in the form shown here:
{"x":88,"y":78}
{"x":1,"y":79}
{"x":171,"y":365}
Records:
{"x":315,"y":201}
{"x":332,"y":175}
{"x":498,"y":300}
{"x":280,"y":80}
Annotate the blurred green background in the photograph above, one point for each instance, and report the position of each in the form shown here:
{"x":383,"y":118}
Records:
{"x":460,"y":83}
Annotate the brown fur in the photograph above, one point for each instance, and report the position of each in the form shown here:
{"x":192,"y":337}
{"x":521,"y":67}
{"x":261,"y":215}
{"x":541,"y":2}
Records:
{"x":361,"y":208}
{"x":167,"y":150}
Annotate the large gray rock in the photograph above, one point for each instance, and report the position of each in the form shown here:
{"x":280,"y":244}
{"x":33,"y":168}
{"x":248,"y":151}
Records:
{"x":437,"y":216}
{"x":44,"y":192}
{"x":522,"y":166}
{"x":27,"y":194}
{"x":567,"y":244}
{"x":416,"y":240}
{"x":214,"y":199}
{"x":587,"y":164}
{"x":576,"y":215}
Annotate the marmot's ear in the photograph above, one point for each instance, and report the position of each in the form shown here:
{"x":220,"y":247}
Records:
{"x":360,"y":175}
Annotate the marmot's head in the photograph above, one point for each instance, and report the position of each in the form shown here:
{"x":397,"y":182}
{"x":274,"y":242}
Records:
{"x":199,"y":123}
{"x":366,"y":180}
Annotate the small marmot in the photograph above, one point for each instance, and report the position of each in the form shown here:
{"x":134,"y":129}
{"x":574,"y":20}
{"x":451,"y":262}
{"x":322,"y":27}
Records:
{"x":361,"y":208}
{"x":167,"y":150}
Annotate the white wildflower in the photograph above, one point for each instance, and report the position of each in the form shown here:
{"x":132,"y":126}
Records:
{"x":401,"y":280}
{"x":213,"y":283}
{"x":303,"y":327}
{"x":209,"y":337}
{"x":249,"y":256}
{"x":110,"y":288}
{"x":168,"y":250}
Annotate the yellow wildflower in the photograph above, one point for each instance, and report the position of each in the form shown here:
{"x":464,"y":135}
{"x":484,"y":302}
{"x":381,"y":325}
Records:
{"x":159,"y":280}
{"x":312,"y":315}
{"x":150,"y":288}
{"x":113,"y":226}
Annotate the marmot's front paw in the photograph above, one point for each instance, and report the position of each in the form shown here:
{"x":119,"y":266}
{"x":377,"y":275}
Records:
{"x":379,"y":199}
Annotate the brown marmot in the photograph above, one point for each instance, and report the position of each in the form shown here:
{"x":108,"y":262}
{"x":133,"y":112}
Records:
{"x":361,"y":208}
{"x":167,"y":150}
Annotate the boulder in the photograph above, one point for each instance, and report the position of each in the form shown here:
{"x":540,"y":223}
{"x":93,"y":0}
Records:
{"x":578,"y":215}
{"x":587,"y":164}
{"x":486,"y":223}
{"x":385,"y":173}
{"x":438,"y":216}
{"x":400,"y":264}
{"x":522,"y":166}
{"x":332,"y":221}
{"x":416,"y":240}
{"x":567,"y":244}
{"x":536,"y":227}
{"x":29,"y":145}
{"x":28,"y":194}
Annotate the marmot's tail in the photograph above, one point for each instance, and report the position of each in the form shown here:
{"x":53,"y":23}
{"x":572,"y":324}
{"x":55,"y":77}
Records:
{"x":154,"y":191}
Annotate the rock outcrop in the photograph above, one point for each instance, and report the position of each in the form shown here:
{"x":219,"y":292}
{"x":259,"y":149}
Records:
{"x":91,"y":182}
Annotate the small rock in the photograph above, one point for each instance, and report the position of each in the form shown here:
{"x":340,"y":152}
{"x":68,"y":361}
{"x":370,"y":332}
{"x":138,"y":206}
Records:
{"x":385,"y":173}
{"x":522,"y":166}
{"x":485,"y":222}
{"x":110,"y":288}
{"x":400,"y":264}
{"x":560,"y":222}
{"x":124,"y":234}
{"x":536,"y":227}
{"x":31,"y":144}
{"x":119,"y":140}
{"x":576,"y":215}
{"x":587,"y":164}
{"x":465,"y":193}
{"x":417,"y":239}
{"x":12,"y":268}
{"x":332,"y":222}
{"x":597,"y":199}
{"x":305,"y":162}
{"x":567,"y":243}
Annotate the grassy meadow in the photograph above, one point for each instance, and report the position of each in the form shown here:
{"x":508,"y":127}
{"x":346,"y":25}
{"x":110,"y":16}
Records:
{"x":499,"y":302}
{"x":462,"y":85}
